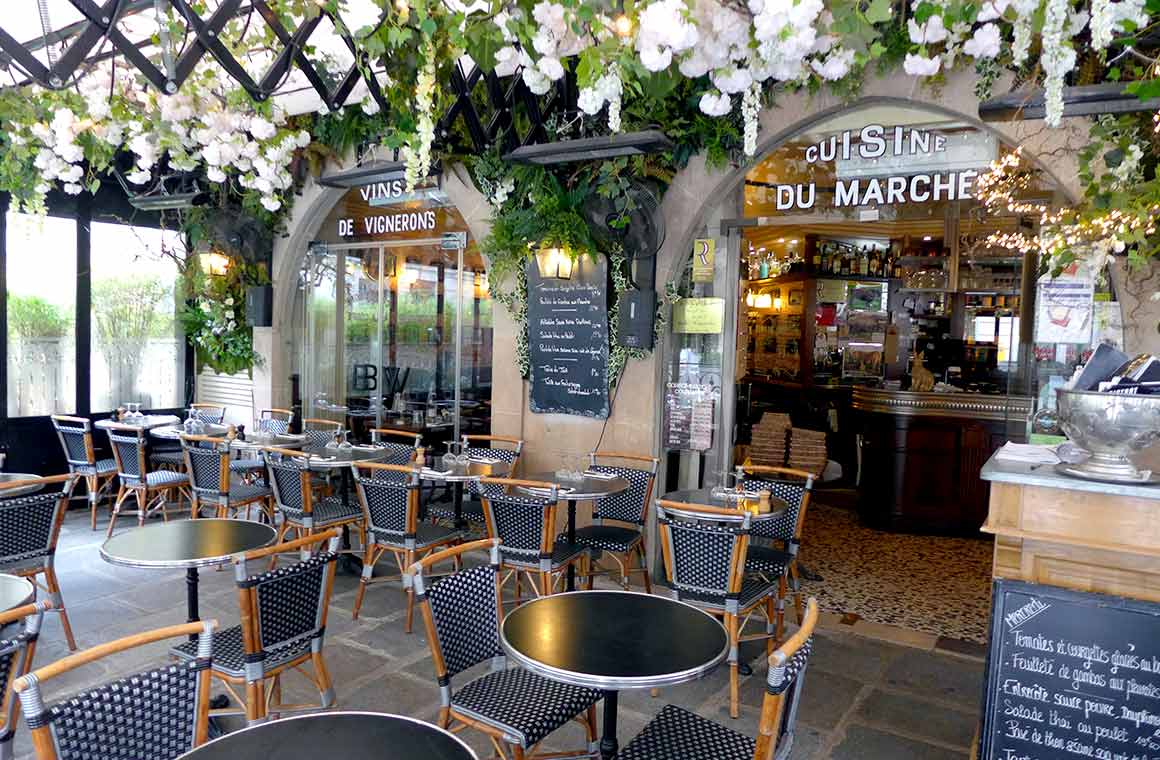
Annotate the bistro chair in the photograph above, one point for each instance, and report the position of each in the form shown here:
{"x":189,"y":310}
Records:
{"x":503,"y":448}
{"x":212,"y":414}
{"x":283,"y":622}
{"x":389,"y":495}
{"x":29,"y":531}
{"x":525,"y":524}
{"x":512,"y":707}
{"x":159,"y":714}
{"x":76,"y":438}
{"x":303,"y":510}
{"x":628,"y":511}
{"x":151,"y":489}
{"x":678,"y":734}
{"x":401,"y":444}
{"x":16,"y":654}
{"x":320,"y":432}
{"x":207,"y":460}
{"x":779,"y":561}
{"x":272,"y":422}
{"x":704,"y":552}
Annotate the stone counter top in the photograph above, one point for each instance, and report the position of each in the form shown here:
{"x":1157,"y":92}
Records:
{"x":1045,"y":476}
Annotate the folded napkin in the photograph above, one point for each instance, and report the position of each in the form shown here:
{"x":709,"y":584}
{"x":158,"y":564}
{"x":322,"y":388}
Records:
{"x":486,"y":460}
{"x":601,"y":475}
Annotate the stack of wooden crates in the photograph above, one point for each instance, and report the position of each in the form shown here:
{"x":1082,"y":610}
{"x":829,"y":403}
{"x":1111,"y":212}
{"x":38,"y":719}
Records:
{"x":778,"y":443}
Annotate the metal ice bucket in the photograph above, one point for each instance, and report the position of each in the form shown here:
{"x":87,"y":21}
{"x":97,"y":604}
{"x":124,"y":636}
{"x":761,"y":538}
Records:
{"x":1115,"y":429}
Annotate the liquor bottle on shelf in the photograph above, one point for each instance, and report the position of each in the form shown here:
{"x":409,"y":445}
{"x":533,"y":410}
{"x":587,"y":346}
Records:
{"x":845,"y":270}
{"x":835,"y":259}
{"x":875,"y":263}
{"x":896,"y":268}
{"x":864,"y":262}
{"x":816,"y":259}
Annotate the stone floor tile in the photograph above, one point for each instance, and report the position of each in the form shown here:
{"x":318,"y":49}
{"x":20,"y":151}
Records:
{"x":863,"y":743}
{"x":825,"y":697}
{"x":941,"y":676}
{"x":903,"y":714}
{"x":853,"y":656}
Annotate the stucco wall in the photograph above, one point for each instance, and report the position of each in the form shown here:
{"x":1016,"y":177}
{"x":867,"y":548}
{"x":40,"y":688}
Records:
{"x":695,"y":193}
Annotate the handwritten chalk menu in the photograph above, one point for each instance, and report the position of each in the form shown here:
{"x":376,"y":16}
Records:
{"x":568,"y":340}
{"x":1071,"y":674}
{"x":689,"y":410}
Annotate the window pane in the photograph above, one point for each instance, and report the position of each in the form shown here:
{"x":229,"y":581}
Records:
{"x":42,"y":267}
{"x":137,"y":352}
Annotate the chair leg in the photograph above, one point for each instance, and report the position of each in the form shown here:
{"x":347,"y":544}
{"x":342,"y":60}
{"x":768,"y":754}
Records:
{"x":92,"y":484}
{"x":368,"y":570}
{"x":122,"y":495}
{"x":771,"y":606}
{"x":255,"y":701}
{"x":797,"y":592}
{"x":408,"y":560}
{"x":781,"y":594}
{"x":645,"y":569}
{"x":325,"y":687}
{"x":734,"y":676}
{"x":53,"y":584}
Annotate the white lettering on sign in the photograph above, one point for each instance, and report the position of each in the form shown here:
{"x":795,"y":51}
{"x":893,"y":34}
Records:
{"x":871,"y":142}
{"x":407,"y":221}
{"x":382,"y":190}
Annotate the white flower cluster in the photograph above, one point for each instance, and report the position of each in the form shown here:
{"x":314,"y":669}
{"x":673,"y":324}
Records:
{"x":1057,"y":59}
{"x":417,"y":153}
{"x":1128,"y":171}
{"x":224,"y":321}
{"x":606,"y":90}
{"x":60,"y":158}
{"x":750,"y":106}
{"x":1110,"y":18}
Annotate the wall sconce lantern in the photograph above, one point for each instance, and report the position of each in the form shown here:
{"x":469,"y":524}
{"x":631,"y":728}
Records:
{"x":554,"y":262}
{"x":214,"y":263}
{"x":482,"y":286}
{"x":750,"y":299}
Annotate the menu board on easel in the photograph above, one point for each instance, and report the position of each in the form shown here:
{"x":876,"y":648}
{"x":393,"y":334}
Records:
{"x":1071,"y":674}
{"x":568,"y":340}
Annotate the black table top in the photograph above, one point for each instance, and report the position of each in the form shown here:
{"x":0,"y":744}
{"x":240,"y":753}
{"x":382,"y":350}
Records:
{"x":587,"y":487}
{"x":614,"y":639}
{"x":15,"y":592}
{"x":338,"y":735}
{"x":186,"y":543}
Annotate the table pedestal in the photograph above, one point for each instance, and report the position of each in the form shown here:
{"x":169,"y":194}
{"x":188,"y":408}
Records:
{"x":457,"y":495}
{"x":572,"y":566}
{"x":608,"y":744}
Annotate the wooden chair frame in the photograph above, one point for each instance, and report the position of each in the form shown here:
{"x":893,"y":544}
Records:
{"x":734,"y":620}
{"x":28,"y":686}
{"x":47,"y":568}
{"x":794,"y":579}
{"x":96,"y":483}
{"x":403,"y":436}
{"x":261,"y":696}
{"x":773,"y":718}
{"x":211,"y":407}
{"x":405,"y":556}
{"x":545,"y":580}
{"x":150,"y":499}
{"x":624,"y":560}
{"x":224,"y":504}
{"x":308,"y":494}
{"x":33,"y":617}
{"x":449,"y":718}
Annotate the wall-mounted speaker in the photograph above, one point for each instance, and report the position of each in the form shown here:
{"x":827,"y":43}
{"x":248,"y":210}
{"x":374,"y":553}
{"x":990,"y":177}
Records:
{"x":634,"y":323}
{"x":260,"y":306}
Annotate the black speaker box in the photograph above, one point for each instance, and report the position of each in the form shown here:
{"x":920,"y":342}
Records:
{"x":634,"y":324}
{"x":260,"y":306}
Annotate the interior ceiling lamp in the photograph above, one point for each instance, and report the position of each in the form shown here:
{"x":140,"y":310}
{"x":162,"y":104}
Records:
{"x":592,"y":148}
{"x":554,"y":262}
{"x":1086,"y":100}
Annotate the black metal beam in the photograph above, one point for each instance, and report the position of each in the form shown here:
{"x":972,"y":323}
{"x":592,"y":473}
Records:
{"x":1086,"y":100}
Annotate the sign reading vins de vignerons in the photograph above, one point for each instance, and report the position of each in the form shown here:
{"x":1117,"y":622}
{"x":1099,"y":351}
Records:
{"x":1071,"y":674}
{"x":568,"y":340}
{"x":395,"y":220}
{"x":879,"y":165}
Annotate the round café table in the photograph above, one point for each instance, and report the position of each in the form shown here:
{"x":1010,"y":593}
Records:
{"x":337,"y":734}
{"x":777,"y":507}
{"x":326,"y":458}
{"x":463,"y":472}
{"x":613,"y":640}
{"x":145,"y":421}
{"x":588,"y":487}
{"x":173,"y":432}
{"x":188,"y":544}
{"x":13,"y":477}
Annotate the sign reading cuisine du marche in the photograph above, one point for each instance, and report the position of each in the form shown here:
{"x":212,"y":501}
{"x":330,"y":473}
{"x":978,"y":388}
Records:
{"x":1071,"y":675}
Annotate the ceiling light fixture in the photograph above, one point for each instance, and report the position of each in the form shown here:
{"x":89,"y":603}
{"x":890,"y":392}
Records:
{"x":591,"y":148}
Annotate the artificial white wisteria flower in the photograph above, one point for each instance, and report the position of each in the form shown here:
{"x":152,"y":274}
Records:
{"x":714,"y":103}
{"x":664,"y":31}
{"x":417,"y":152}
{"x":985,"y":43}
{"x":1024,"y":26}
{"x":992,"y":9}
{"x":731,"y":80}
{"x":750,"y":105}
{"x":71,"y":188}
{"x":507,"y":60}
{"x":920,"y":65}
{"x":786,"y":34}
{"x":927,"y":33}
{"x":1058,"y":59}
{"x":607,"y":89}
{"x":1109,"y":18}
{"x":139,"y":177}
{"x":262,"y":129}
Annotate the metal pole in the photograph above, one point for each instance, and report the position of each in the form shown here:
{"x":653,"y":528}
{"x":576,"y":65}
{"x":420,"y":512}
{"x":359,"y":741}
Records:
{"x":458,"y":331}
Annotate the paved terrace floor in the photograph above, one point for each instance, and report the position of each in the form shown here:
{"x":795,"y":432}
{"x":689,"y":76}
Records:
{"x":865,"y":697}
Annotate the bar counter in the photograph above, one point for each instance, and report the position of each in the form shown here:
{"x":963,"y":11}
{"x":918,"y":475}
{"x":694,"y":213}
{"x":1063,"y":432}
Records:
{"x":921,"y":455}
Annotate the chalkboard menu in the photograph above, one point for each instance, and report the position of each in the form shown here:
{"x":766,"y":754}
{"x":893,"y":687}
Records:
{"x":568,"y":339}
{"x":1071,"y":674}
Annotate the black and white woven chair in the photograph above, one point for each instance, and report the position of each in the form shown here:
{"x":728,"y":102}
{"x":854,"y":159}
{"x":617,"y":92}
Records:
{"x":172,"y":459}
{"x":152,"y":490}
{"x":207,"y":460}
{"x":29,"y":531}
{"x":512,"y":707}
{"x":618,"y":520}
{"x":76,"y":438}
{"x":776,"y":557}
{"x":480,"y":447}
{"x":320,"y":432}
{"x":159,"y":714}
{"x":401,"y":445}
{"x":389,"y":496}
{"x":273,"y":422}
{"x":525,"y":524}
{"x":303,"y":510}
{"x":283,"y":624}
{"x":678,"y":734}
{"x":16,"y":652}
{"x":704,"y":550}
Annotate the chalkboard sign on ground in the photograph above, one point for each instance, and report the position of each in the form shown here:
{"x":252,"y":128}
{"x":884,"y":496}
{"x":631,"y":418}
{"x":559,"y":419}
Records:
{"x":568,"y":339}
{"x":1071,"y":674}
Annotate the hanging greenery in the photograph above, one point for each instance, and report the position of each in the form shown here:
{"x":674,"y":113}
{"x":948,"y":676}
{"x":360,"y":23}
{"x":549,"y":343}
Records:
{"x":213,"y":315}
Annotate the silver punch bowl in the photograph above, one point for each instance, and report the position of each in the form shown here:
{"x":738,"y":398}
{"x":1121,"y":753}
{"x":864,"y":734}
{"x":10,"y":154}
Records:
{"x":1116,"y":430}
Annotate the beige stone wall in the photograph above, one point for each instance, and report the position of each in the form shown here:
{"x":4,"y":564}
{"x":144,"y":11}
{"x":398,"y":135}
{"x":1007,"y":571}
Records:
{"x":693,"y":199}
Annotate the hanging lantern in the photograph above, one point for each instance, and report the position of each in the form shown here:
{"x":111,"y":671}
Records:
{"x":554,"y":262}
